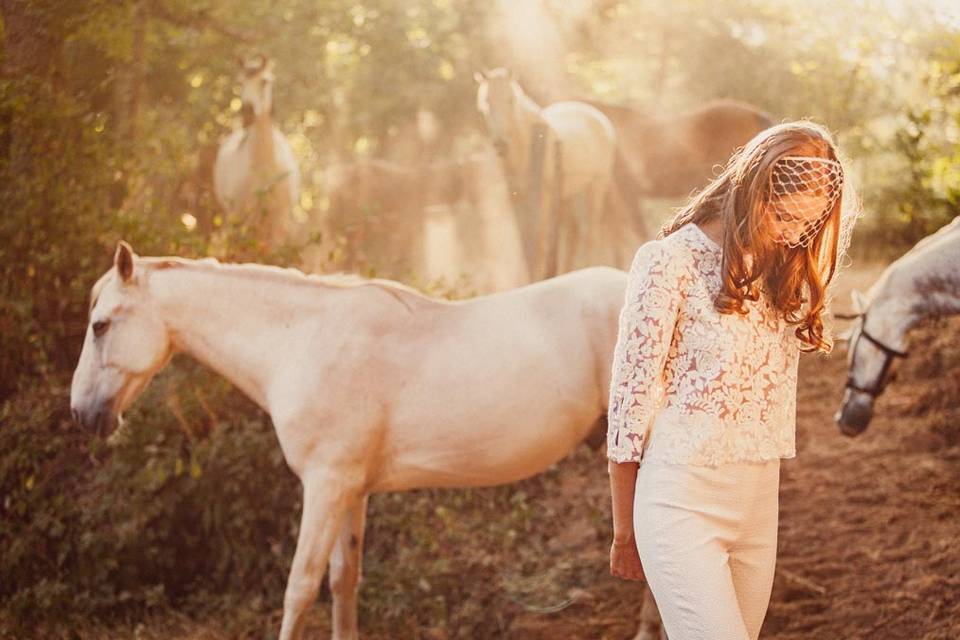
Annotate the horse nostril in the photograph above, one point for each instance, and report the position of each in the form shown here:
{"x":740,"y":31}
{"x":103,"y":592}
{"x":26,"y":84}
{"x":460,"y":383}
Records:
{"x":852,"y":420}
{"x":76,"y":417}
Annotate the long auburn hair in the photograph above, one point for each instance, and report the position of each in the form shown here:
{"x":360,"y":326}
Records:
{"x":794,"y":280}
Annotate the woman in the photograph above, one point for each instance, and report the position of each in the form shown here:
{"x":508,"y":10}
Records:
{"x":703,"y":387}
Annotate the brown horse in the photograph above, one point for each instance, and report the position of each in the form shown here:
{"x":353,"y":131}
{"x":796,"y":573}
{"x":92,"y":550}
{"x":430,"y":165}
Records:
{"x":671,"y":156}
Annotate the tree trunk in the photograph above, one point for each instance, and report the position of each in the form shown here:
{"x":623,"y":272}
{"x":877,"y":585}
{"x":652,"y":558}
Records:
{"x":128,"y":91}
{"x":31,"y":51}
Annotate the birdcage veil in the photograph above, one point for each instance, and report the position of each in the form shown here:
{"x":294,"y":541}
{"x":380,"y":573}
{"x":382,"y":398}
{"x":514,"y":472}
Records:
{"x":851,"y":210}
{"x":803,"y":191}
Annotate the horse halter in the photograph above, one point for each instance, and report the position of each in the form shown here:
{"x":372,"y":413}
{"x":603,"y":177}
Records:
{"x":888,"y":355}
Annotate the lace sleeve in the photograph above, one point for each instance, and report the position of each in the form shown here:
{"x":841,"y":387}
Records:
{"x":646,"y":324}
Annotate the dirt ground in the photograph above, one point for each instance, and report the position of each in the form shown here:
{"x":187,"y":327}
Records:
{"x":869,"y":527}
{"x":868,"y":541}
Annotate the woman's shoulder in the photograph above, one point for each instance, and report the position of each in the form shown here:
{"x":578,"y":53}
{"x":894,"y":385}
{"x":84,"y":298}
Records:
{"x":670,"y":253}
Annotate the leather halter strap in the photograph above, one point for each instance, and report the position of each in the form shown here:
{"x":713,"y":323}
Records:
{"x":889,"y":353}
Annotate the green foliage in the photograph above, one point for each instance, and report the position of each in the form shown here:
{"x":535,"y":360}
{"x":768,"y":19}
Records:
{"x":191,"y":507}
{"x":195,"y":497}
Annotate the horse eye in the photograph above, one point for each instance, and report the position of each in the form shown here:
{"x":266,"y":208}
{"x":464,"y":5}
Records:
{"x":100,"y":327}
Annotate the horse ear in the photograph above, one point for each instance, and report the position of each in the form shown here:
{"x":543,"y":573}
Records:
{"x":479,"y":76}
{"x":859,"y":302}
{"x":123,"y":261}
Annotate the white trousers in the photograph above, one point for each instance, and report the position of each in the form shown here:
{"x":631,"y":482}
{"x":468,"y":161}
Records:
{"x":707,"y":538}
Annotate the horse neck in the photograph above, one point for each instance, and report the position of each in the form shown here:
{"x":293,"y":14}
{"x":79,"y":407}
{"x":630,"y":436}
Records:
{"x":226,"y":322}
{"x":262,"y":146}
{"x":526,"y":117}
{"x":902,"y":302}
{"x":890,"y":318}
{"x":268,"y":171}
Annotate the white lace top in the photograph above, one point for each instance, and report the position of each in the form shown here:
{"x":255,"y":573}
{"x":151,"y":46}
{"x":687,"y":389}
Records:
{"x":692,"y":385}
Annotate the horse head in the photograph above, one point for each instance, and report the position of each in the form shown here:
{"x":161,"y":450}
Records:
{"x":869,"y":360}
{"x":497,"y":103}
{"x":256,"y":92}
{"x":125,"y":345}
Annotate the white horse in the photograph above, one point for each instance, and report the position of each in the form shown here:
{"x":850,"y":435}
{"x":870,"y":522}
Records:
{"x":371,"y":386}
{"x":255,"y":172}
{"x":923,"y":283}
{"x":551,"y":155}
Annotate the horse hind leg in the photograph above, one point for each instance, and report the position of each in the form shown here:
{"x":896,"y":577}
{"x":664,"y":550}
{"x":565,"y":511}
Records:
{"x":597,"y":435}
{"x":346,"y":570}
{"x":324,"y":505}
{"x":594,"y":219}
{"x":651,"y":627}
{"x":580,"y":240}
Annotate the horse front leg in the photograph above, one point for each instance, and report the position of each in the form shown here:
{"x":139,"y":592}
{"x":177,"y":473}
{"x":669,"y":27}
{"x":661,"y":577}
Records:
{"x":324,"y":504}
{"x":346,"y":569}
{"x":551,"y":232}
{"x":578,"y":233}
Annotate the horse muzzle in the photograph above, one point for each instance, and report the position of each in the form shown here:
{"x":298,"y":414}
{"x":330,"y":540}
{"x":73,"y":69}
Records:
{"x":854,"y":416}
{"x":99,"y":421}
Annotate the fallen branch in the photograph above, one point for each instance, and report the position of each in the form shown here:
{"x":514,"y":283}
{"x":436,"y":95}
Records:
{"x":803,"y":582}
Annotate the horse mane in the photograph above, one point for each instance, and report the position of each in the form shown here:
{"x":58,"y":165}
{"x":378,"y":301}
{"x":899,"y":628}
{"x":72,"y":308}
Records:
{"x":523,"y":99}
{"x":406,"y":295}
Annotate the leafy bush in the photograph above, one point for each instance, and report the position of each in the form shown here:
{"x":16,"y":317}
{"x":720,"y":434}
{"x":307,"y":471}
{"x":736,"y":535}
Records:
{"x":191,"y":496}
{"x":190,"y":506}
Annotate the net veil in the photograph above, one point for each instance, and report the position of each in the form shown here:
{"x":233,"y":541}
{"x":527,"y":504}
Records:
{"x":803,"y":191}
{"x":851,"y":210}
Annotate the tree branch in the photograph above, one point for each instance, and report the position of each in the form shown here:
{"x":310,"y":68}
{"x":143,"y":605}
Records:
{"x":200,"y":21}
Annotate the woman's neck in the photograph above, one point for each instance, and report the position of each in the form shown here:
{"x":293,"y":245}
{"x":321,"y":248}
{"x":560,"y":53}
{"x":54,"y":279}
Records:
{"x":713,"y":229}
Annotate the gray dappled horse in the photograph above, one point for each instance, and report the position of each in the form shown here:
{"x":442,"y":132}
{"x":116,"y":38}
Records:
{"x":923,"y":283}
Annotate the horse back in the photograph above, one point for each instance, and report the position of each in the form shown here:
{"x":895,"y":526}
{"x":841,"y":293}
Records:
{"x":587,"y":140}
{"x":675,"y":154}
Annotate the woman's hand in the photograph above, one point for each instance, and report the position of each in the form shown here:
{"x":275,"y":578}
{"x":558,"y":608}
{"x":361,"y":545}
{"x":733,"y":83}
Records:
{"x":625,"y":561}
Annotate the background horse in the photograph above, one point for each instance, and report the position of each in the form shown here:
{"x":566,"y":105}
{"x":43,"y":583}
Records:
{"x":671,"y":156}
{"x":923,"y":283}
{"x":255,"y":172}
{"x":371,"y":385}
{"x":552,"y":155}
{"x":380,"y":206}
